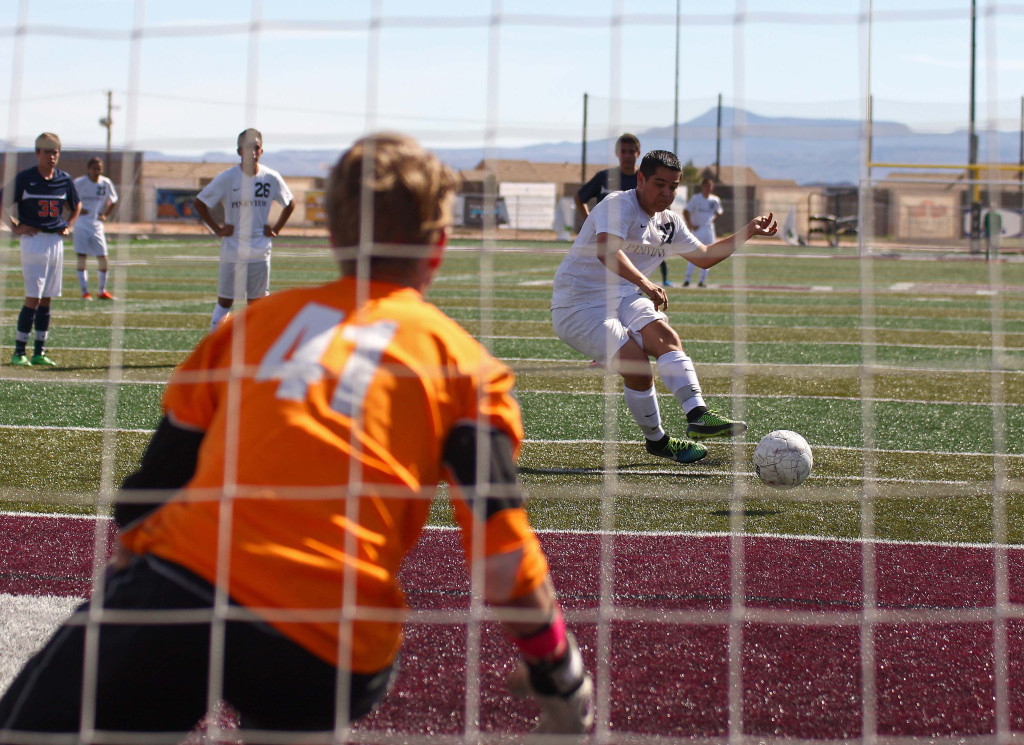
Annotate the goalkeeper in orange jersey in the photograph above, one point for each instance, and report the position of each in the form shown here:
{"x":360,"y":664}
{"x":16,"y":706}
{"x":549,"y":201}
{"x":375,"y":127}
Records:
{"x":291,"y":474}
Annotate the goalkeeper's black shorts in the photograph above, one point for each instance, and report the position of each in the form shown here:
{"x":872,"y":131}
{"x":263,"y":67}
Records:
{"x":155,"y":677}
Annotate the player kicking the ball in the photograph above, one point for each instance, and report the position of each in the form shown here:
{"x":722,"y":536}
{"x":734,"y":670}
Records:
{"x":293,"y":471}
{"x":605,"y":307}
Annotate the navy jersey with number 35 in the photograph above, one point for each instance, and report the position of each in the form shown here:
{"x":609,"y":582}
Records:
{"x":41,"y":201}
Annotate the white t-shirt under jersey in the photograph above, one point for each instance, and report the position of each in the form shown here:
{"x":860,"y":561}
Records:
{"x":581,"y":279}
{"x":94,"y":196}
{"x":248,"y":198}
{"x":702,"y":211}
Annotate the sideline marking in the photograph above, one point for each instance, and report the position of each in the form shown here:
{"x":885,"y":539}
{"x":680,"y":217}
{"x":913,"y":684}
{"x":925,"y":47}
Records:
{"x":648,"y":534}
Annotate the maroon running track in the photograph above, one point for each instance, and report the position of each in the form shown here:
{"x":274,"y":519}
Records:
{"x":804,"y":681}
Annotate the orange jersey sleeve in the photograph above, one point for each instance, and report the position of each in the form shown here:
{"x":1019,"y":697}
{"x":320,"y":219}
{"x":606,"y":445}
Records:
{"x":325,"y":418}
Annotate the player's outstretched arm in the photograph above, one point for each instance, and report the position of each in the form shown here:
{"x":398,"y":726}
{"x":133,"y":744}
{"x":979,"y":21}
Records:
{"x":167,"y":465}
{"x":723,"y":248}
{"x":551,"y":668}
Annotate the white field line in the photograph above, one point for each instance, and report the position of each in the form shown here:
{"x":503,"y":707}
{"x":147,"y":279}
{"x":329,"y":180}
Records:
{"x":774,"y":327}
{"x":750,"y":474}
{"x":781,"y":397}
{"x":838,"y":448}
{"x":688,"y":341}
{"x":578,"y":364}
{"x":691,"y":340}
{"x":613,"y":394}
{"x":533,"y":441}
{"x":53,"y":428}
{"x":142,"y":306}
{"x":986,"y":347}
{"x":175,"y":329}
{"x":57,"y":348}
{"x":642,"y":533}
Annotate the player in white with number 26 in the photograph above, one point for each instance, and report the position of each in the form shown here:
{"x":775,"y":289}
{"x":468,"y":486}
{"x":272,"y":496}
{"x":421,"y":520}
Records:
{"x":246,"y":192}
{"x":99,"y":198}
{"x":605,"y":306}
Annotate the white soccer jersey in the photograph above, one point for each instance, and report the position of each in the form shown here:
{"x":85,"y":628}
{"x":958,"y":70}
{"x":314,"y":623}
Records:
{"x":581,"y":279}
{"x":246,"y":198}
{"x":95,"y":196}
{"x":702,"y":211}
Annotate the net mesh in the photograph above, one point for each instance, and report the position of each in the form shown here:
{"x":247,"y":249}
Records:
{"x":878,"y":606}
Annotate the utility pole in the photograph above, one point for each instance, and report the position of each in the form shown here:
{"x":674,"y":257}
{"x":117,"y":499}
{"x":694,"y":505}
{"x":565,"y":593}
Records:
{"x":972,"y":145}
{"x":583,"y":158}
{"x":108,"y":122}
{"x":675,"y":117}
{"x":718,"y":141}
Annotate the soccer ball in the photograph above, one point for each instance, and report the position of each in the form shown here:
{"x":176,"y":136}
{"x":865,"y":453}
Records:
{"x":783,"y":459}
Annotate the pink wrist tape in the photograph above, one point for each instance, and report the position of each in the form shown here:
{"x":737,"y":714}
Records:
{"x":548,"y":644}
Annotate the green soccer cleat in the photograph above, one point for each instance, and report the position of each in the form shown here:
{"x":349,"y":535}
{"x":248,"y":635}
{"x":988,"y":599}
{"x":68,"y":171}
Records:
{"x":41,"y":360}
{"x":20,"y":360}
{"x":711,"y":424}
{"x":678,"y":449}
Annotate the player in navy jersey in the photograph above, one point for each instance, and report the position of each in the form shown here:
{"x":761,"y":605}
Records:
{"x":623,"y":178}
{"x":43,"y":208}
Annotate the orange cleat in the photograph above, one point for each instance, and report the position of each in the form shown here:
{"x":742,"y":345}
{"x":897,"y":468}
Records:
{"x":86,"y":296}
{"x":106,"y":296}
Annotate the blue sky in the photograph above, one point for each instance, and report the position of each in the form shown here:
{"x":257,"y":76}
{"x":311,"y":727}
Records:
{"x":317,"y":77}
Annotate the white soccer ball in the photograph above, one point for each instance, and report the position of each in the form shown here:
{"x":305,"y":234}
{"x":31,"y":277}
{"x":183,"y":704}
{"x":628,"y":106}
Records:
{"x":783,"y":459}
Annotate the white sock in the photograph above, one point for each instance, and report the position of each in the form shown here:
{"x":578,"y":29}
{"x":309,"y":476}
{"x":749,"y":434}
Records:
{"x":103,"y":280}
{"x":83,"y":280}
{"x":219,"y":313}
{"x":703,"y":275}
{"x":643,"y":405}
{"x":676,"y":370}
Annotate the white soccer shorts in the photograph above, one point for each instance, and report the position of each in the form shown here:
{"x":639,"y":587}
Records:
{"x":42,"y":264}
{"x":241,"y":280}
{"x":90,"y":241}
{"x":599,"y":334}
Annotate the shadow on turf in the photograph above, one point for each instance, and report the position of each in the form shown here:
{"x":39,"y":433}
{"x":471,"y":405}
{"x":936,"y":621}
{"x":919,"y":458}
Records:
{"x":747,"y":513}
{"x":597,"y":471}
{"x":154,"y":366}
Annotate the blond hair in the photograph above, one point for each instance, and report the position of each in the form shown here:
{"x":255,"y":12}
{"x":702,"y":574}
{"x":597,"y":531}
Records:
{"x":410,"y":190}
{"x":47,"y":141}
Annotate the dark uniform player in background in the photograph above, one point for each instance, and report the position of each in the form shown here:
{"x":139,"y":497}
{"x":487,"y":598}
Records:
{"x":623,"y":178}
{"x":40,"y":198}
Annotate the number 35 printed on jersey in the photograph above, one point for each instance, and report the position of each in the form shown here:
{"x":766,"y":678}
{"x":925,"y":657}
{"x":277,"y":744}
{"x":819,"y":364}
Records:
{"x":294,"y":358}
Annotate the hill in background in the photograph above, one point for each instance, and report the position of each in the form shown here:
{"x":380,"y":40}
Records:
{"x":808,"y":151}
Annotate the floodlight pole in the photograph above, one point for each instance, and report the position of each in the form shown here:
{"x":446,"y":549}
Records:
{"x":865,"y":190}
{"x":972,"y":142}
{"x":108,"y":122}
{"x":675,"y":116}
{"x":718,"y":140}
{"x":583,"y":157}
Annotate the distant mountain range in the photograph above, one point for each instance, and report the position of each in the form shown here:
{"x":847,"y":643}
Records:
{"x":808,"y":151}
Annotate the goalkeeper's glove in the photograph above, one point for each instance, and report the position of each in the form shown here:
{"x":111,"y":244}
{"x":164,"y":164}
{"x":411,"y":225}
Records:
{"x":563,"y":689}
